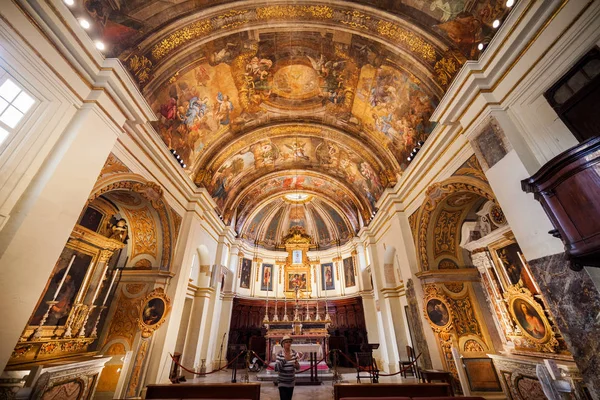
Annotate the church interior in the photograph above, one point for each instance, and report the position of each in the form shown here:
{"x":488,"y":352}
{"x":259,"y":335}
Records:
{"x":409,"y":189}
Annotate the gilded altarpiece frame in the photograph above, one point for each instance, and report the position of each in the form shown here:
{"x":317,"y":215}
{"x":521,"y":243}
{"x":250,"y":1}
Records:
{"x":532,"y":329}
{"x":63,"y":321}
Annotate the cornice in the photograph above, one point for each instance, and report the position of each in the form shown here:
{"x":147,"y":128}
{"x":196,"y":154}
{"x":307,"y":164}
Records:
{"x":449,"y":275}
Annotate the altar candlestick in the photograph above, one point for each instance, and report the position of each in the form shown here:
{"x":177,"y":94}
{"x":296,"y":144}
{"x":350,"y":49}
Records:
{"x":285,"y":316}
{"x":64,"y":277}
{"x":100,"y":283}
{"x":115,"y":273}
{"x":85,"y":281}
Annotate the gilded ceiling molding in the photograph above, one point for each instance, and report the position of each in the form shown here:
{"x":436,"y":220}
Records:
{"x":345,"y":17}
{"x":436,"y":194}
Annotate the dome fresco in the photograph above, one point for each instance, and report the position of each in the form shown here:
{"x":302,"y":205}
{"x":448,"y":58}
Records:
{"x":323,"y":222}
{"x":264,"y":99}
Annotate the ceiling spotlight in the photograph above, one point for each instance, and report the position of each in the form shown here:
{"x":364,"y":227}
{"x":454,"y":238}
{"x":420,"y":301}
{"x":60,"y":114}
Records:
{"x":84,"y":23}
{"x":480,"y":46}
{"x":99,"y":45}
{"x":409,"y":159}
{"x":184,"y":166}
{"x":420,"y":143}
{"x":510,"y":3}
{"x":496,"y":23}
{"x":69,"y":2}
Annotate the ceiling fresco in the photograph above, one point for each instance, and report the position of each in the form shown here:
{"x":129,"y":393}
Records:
{"x":261,"y":99}
{"x":266,"y":189}
{"x":323,"y":222}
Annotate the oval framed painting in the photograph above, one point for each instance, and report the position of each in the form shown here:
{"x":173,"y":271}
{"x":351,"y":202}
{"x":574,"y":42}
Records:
{"x":153,"y":311}
{"x":530,"y":318}
{"x":438,"y":312}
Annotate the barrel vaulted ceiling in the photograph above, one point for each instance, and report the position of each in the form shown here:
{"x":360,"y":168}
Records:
{"x":267,"y":98}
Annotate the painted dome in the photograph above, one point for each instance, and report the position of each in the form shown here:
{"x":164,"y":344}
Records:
{"x":321,"y":220}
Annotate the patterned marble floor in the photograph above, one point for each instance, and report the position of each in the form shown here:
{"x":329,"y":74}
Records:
{"x":268,"y":391}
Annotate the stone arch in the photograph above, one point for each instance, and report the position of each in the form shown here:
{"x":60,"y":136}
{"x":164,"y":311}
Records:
{"x":436,"y":194}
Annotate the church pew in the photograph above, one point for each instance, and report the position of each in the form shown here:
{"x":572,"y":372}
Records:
{"x":398,"y":390}
{"x":231,"y":391}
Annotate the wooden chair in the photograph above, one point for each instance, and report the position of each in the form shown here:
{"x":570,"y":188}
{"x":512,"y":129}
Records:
{"x":366,"y":363}
{"x":410,"y":364}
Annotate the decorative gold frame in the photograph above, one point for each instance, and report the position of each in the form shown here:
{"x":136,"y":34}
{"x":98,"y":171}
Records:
{"x":499,"y":265}
{"x":298,"y":270}
{"x":148,"y":329}
{"x":447,"y":325}
{"x":524,"y":295}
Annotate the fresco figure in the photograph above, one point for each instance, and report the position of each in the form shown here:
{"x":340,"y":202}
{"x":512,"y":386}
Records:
{"x":224,"y":109}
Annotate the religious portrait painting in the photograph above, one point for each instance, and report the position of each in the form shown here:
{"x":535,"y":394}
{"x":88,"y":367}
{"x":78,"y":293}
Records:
{"x":437,"y":312}
{"x":297,"y":279}
{"x":245,"y":272}
{"x":511,"y":262}
{"x":63,"y":287}
{"x":327,"y":276}
{"x":153,"y":311}
{"x":267,"y":277}
{"x":349,"y":277}
{"x":528,"y":318}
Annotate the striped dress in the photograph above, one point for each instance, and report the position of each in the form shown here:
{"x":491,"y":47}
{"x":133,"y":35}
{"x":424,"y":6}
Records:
{"x":287,"y":369}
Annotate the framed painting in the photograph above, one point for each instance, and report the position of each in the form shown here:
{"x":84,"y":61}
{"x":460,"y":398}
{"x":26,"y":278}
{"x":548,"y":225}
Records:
{"x":297,"y":278}
{"x":511,"y":263}
{"x":245,"y":271}
{"x":349,"y":277}
{"x":482,"y":375}
{"x":327,"y":276}
{"x":437,"y":312}
{"x":530,"y":318}
{"x":63,"y":287}
{"x":267,"y":277}
{"x":153,"y":312}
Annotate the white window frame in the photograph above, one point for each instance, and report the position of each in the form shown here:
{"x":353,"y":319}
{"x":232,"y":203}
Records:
{"x":4,"y":76}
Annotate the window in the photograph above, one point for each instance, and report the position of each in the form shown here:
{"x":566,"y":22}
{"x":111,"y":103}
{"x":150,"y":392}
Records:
{"x":14,"y":105}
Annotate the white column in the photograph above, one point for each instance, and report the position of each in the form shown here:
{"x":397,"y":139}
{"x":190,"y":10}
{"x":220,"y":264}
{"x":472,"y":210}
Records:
{"x":44,"y":217}
{"x":408,"y":265}
{"x":165,"y":338}
{"x":388,"y":345}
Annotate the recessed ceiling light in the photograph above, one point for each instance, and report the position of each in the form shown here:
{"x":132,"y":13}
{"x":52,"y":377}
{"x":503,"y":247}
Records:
{"x":69,"y":2}
{"x":510,"y":3}
{"x":99,"y":45}
{"x":480,"y":46}
{"x":84,"y":23}
{"x":496,"y":23}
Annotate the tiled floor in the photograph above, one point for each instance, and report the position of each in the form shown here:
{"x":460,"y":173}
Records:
{"x":268,"y":391}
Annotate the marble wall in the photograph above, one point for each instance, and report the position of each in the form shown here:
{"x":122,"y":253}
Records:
{"x":575,"y":303}
{"x":414,"y":312}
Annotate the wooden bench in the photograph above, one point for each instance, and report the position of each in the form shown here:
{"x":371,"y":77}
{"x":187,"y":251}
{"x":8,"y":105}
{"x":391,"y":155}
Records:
{"x":237,"y":391}
{"x":397,"y":390}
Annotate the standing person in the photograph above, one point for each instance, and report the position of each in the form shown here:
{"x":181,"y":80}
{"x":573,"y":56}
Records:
{"x":287,"y":364}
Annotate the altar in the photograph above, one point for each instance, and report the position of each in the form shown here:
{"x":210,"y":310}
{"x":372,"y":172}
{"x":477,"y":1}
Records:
{"x":303,"y":349}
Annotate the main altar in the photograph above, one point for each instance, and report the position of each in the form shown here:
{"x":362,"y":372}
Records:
{"x":308,"y":326}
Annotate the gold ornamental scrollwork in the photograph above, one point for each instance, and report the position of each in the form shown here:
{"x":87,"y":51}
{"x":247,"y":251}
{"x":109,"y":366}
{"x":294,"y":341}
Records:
{"x":153,"y":311}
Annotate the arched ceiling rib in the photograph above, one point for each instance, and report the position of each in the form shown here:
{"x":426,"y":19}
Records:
{"x":266,"y":98}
